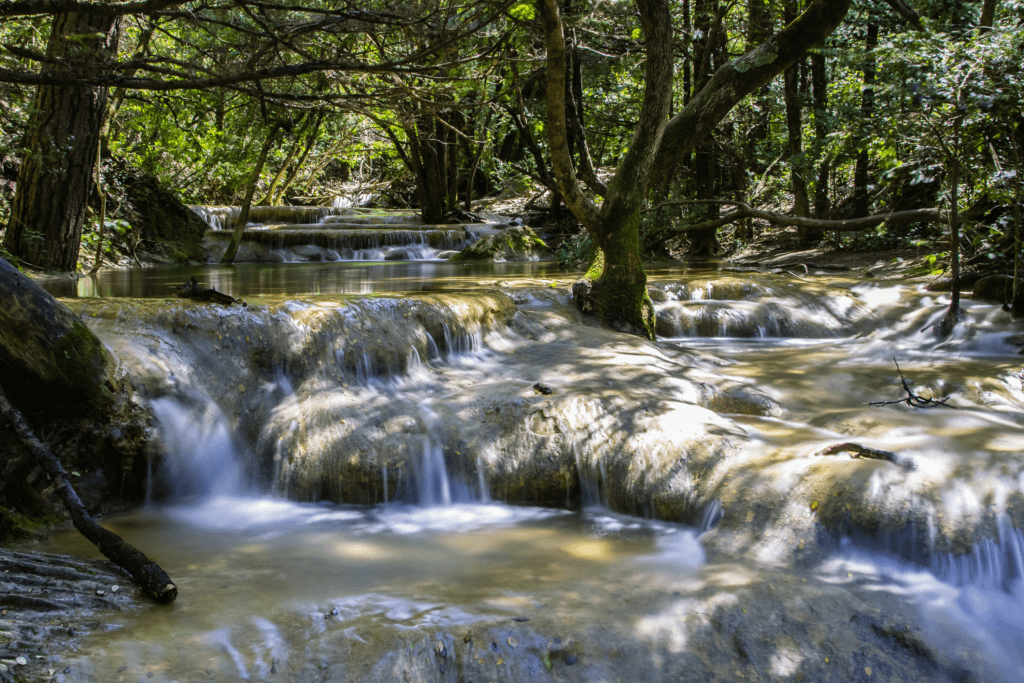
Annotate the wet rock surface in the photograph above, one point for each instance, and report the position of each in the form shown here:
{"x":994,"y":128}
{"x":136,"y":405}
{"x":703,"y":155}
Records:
{"x":514,"y":243}
{"x":726,"y":622}
{"x":48,"y":602}
{"x":374,"y":401}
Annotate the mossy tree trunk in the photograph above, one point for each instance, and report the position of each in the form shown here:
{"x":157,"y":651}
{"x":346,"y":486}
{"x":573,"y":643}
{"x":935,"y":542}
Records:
{"x":618,"y":292}
{"x":55,"y":178}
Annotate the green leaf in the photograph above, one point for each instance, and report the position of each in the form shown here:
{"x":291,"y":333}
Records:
{"x":523,"y":11}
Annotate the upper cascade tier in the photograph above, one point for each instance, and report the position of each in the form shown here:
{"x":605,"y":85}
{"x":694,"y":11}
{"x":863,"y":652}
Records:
{"x":326,"y":233}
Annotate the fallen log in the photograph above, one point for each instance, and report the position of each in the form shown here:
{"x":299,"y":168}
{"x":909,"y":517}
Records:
{"x":151,"y":577}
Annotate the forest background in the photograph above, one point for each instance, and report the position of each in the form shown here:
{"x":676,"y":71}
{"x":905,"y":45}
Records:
{"x":899,"y":128}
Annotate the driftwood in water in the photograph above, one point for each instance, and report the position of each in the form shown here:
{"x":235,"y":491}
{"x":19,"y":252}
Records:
{"x":153,"y":580}
{"x":192,"y":290}
{"x":859,"y":451}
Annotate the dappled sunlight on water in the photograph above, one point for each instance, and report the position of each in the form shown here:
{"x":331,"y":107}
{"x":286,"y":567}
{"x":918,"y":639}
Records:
{"x":446,"y":412}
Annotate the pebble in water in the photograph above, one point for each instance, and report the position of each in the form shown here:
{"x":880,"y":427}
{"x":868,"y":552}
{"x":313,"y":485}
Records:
{"x":570,"y":660}
{"x":512,"y":641}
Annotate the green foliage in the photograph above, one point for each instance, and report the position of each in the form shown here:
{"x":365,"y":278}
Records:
{"x":115,"y":228}
{"x":523,"y":11}
{"x":574,"y":249}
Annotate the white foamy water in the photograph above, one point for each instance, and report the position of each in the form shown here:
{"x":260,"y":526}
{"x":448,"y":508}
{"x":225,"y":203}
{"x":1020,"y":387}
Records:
{"x":415,"y":403}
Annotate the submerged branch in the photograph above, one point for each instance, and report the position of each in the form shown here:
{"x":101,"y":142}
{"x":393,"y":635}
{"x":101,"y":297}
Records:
{"x":913,"y":399}
{"x":860,"y":451}
{"x":150,"y":576}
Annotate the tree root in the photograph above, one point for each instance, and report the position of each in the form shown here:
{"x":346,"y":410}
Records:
{"x":150,"y":576}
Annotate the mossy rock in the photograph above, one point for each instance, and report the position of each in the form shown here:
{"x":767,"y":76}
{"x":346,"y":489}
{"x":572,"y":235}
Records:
{"x":157,"y":212}
{"x":996,"y":288}
{"x":519,"y":243}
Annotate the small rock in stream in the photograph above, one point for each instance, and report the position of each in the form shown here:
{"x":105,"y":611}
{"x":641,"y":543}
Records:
{"x":570,"y":660}
{"x":542,"y":388}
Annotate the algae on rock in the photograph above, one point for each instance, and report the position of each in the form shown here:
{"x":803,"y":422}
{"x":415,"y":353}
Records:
{"x":516,"y":243}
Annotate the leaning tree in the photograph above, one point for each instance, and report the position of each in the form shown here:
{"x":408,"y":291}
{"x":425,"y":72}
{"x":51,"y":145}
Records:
{"x":615,"y":286}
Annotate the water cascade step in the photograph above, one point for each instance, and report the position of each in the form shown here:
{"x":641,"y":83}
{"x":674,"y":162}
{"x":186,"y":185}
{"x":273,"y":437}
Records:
{"x":379,"y":418}
{"x":313,"y":233}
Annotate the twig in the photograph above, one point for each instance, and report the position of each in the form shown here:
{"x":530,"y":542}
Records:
{"x":913,"y":399}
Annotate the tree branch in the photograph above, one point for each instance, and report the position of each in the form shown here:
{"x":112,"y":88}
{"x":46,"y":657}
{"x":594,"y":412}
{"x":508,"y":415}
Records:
{"x":27,"y":8}
{"x":734,"y":81}
{"x":850,"y":225}
{"x":153,"y":580}
{"x":908,"y":13}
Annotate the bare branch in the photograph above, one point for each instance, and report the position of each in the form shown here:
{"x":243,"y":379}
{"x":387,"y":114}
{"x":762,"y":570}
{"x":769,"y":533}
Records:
{"x":851,"y":225}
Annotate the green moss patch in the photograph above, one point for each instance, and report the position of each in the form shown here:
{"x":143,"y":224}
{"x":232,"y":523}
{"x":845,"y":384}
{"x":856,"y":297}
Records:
{"x":517,"y":243}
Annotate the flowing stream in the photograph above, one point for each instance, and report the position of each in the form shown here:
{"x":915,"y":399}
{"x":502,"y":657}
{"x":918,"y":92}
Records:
{"x":358,"y":480}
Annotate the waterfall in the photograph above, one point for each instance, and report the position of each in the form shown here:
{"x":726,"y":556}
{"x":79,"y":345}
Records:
{"x":200,"y":455}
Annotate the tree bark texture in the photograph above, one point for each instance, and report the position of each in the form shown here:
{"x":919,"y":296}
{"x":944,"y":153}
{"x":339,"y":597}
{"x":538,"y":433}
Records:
{"x":47,"y":355}
{"x":427,"y":156}
{"x":861,"y":197}
{"x":794,"y":126}
{"x":150,"y":576}
{"x":55,"y":177}
{"x":704,"y":243}
{"x":819,"y":91}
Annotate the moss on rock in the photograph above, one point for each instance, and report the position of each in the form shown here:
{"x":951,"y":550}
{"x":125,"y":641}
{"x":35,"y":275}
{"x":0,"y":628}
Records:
{"x":519,"y":243}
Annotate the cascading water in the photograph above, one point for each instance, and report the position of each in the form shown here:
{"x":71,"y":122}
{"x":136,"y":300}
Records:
{"x":296,"y":234}
{"x":199,"y":449}
{"x":424,"y":404}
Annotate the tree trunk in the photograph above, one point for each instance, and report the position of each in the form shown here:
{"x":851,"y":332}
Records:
{"x":794,"y":126}
{"x":298,"y":165}
{"x":619,"y":293}
{"x":270,"y":198}
{"x":55,"y":178}
{"x":243,"y":214}
{"x":819,"y":91}
{"x":704,"y":243}
{"x":988,"y":14}
{"x":861,"y":196}
{"x":952,"y":316}
{"x":759,"y":28}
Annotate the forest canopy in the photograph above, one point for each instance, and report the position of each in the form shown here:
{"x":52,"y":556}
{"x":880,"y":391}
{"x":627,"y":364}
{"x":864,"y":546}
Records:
{"x":700,"y":121}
